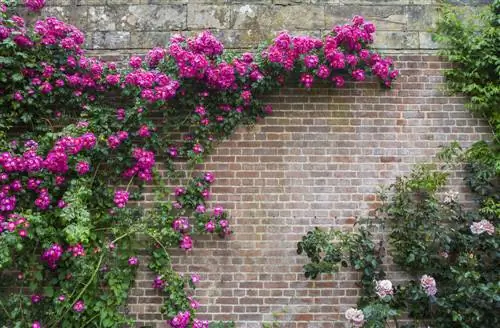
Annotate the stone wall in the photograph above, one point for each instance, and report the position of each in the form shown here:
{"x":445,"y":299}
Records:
{"x":142,"y":24}
{"x":316,"y":162}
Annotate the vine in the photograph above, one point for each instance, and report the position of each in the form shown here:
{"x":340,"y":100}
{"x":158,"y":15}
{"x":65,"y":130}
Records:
{"x":451,"y":251}
{"x":81,"y":139}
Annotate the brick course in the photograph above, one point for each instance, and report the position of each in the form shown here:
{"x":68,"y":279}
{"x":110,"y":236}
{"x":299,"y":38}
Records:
{"x":317,"y":161}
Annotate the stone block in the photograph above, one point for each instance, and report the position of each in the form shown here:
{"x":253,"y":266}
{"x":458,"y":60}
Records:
{"x":200,"y":16}
{"x":310,"y":17}
{"x":469,"y":2}
{"x":375,"y":2}
{"x":58,"y":3}
{"x":154,"y":18}
{"x":330,"y":2}
{"x":102,"y":18}
{"x":426,"y":42}
{"x":385,"y":18}
{"x":88,"y":2}
{"x":111,"y":40}
{"x":148,"y":40}
{"x":73,"y":15}
{"x":127,"y":2}
{"x":137,"y":18}
{"x":421,"y":18}
{"x":396,"y":40}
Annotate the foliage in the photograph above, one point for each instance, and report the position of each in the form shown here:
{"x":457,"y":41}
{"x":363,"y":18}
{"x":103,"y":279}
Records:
{"x":81,"y":139}
{"x":451,"y":252}
{"x":329,"y":251}
{"x":470,"y":40}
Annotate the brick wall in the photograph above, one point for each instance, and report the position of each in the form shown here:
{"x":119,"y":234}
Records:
{"x":317,"y":161}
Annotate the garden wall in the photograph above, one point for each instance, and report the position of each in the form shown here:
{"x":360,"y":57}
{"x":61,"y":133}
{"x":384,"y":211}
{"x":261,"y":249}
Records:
{"x":317,"y":161}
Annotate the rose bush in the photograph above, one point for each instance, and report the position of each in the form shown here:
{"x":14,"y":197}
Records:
{"x":80,"y":139}
{"x":450,"y":250}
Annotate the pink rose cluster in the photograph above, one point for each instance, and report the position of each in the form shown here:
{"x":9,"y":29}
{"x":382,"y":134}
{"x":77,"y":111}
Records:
{"x":343,"y":51}
{"x":182,"y":320}
{"x":216,"y":222}
{"x":14,"y":222}
{"x":428,"y":284}
{"x":56,"y":162}
{"x":53,"y":254}
{"x":53,"y":32}
{"x":483,"y":226}
{"x":34,"y":5}
{"x":196,"y":58}
{"x":76,"y":71}
{"x":121,"y":198}
{"x":143,"y":168}
{"x":115,"y":140}
{"x":153,"y":85}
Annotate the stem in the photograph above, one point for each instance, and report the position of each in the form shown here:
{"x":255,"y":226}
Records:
{"x":91,"y":278}
{"x":159,"y":242}
{"x":95,"y":173}
{"x":5,"y":310}
{"x":396,"y":322}
{"x":90,"y":320}
{"x":130,"y":182}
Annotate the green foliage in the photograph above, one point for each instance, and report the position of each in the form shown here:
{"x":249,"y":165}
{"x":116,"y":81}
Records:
{"x":470,"y":40}
{"x":436,"y":241}
{"x":329,"y":251}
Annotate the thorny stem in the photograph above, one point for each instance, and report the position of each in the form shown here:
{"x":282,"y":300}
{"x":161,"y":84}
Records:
{"x":91,"y":278}
{"x":5,"y":310}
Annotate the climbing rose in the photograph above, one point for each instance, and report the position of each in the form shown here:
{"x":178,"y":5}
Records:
{"x":218,"y":210}
{"x":82,"y":168}
{"x":35,"y":298}
{"x":195,"y":278}
{"x":210,"y":226}
{"x":197,"y":323}
{"x":158,"y":282}
{"x":34,"y":5}
{"x":79,"y":306}
{"x":186,"y":243}
{"x":355,"y":316}
{"x":36,"y":324}
{"x":181,"y":320}
{"x":133,"y":261}
{"x":383,"y":288}
{"x":428,"y":284}
{"x":200,"y":209}
{"x":209,"y":177}
{"x":478,"y":228}
{"x":121,"y":198}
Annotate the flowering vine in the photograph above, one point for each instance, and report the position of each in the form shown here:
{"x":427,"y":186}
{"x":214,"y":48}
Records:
{"x":81,"y":138}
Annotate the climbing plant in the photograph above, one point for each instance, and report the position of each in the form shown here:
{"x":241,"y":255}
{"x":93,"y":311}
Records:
{"x":470,"y":41}
{"x":81,"y":138}
{"x":451,"y":251}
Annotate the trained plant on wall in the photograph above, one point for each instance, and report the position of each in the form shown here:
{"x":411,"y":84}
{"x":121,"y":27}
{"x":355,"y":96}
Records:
{"x":451,"y":253}
{"x":80,"y":138}
{"x":450,"y":250}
